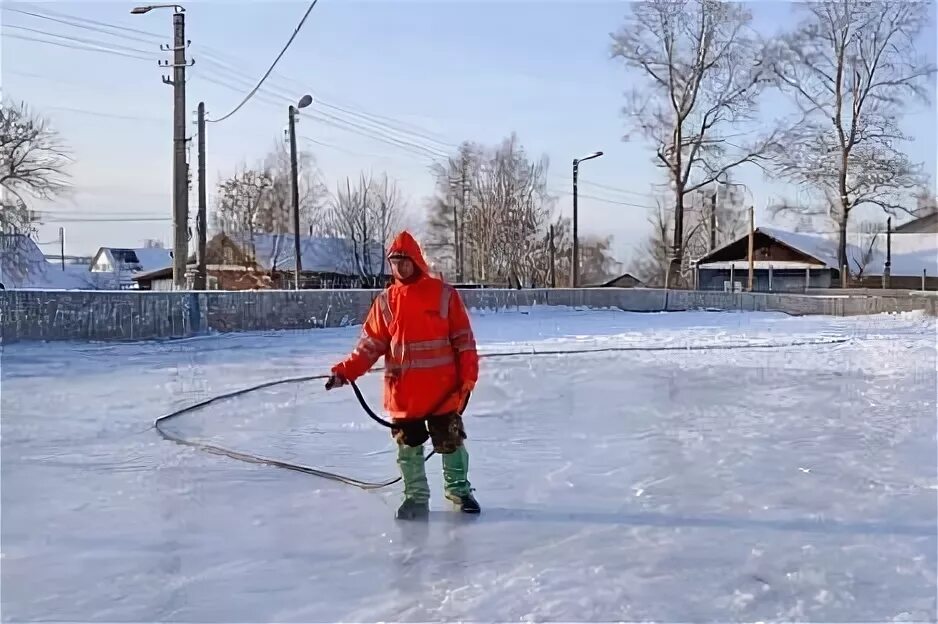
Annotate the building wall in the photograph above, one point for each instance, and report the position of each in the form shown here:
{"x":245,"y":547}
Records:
{"x":145,"y":315}
{"x":783,"y":281}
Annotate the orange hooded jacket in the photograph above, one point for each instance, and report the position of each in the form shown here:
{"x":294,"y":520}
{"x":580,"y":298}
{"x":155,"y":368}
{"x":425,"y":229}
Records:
{"x":422,"y":329}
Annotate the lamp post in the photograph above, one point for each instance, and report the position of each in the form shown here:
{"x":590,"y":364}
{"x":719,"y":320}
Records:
{"x":180,"y":168}
{"x":305,"y":101}
{"x":575,"y":272}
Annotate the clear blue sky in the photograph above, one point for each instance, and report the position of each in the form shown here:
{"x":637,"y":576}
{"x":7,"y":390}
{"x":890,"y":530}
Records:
{"x":450,"y":70}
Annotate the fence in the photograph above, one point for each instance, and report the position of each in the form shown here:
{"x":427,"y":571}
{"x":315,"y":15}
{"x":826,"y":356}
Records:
{"x":27,"y":315}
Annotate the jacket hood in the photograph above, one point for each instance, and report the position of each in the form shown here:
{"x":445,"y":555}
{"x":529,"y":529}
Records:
{"x":406,"y":245}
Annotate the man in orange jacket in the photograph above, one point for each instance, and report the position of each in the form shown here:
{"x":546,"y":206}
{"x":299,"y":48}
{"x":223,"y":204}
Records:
{"x":421,"y":327}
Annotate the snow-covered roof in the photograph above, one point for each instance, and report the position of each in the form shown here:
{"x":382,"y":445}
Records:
{"x":910,"y":252}
{"x":317,"y":254}
{"x":138,"y":258}
{"x":24,"y":266}
{"x":817,"y":246}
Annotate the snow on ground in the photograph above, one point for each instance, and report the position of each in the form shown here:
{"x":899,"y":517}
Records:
{"x":789,"y":484}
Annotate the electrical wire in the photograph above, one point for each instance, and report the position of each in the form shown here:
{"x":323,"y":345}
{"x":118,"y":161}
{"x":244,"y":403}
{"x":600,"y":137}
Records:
{"x":271,"y":68}
{"x":112,"y":46}
{"x":363,"y":123}
{"x":47,"y":12}
{"x":74,"y":24}
{"x":105,"y":220}
{"x":601,"y":199}
{"x":85,"y":48}
{"x":82,"y":111}
{"x":268,"y":97}
{"x":376,"y":130}
{"x":368,"y":117}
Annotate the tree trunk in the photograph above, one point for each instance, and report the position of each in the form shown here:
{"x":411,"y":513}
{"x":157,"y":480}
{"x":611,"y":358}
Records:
{"x":677,"y":246}
{"x":842,"y":242}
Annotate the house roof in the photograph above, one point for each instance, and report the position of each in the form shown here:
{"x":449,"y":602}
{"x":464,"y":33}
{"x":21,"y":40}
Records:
{"x":24,"y":266}
{"x":928,"y":223}
{"x":911,"y":253}
{"x":139,"y":258}
{"x":819,"y":248}
{"x":318,"y":254}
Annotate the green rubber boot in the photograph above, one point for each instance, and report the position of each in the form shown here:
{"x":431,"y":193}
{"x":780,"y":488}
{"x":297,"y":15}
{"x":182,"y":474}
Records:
{"x":416,"y":490}
{"x":456,"y":480}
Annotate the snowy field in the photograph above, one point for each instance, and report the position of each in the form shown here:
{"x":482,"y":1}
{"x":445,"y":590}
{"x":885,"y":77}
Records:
{"x":793,"y":483}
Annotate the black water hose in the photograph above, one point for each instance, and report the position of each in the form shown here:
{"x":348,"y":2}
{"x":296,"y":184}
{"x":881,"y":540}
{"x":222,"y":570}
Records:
{"x":369,"y":485}
{"x":256,"y":459}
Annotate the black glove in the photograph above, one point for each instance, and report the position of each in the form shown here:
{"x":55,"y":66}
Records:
{"x":335,"y":381}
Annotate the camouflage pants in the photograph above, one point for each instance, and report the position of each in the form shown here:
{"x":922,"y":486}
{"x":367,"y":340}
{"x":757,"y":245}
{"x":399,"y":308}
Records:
{"x":445,"y":431}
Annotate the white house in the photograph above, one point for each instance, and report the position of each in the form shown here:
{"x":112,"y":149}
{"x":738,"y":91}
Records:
{"x":113,"y":268}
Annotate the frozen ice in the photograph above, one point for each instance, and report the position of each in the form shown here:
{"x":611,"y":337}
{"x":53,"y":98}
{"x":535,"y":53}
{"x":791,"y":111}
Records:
{"x":795,"y":483}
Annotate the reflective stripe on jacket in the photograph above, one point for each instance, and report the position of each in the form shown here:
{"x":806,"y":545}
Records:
{"x":423,"y":331}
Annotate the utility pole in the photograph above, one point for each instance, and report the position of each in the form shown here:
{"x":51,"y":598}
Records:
{"x":62,"y":245}
{"x":461,"y":260}
{"x":305,"y":101}
{"x":713,"y":221}
{"x":553,"y":270}
{"x":294,"y":185}
{"x":888,"y":268}
{"x":451,"y":198}
{"x":752,"y":235}
{"x":180,"y":172}
{"x":180,"y":168}
{"x":575,"y":265}
{"x":575,"y":272}
{"x":201,"y":274}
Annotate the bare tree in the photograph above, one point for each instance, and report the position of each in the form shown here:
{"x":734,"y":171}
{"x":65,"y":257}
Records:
{"x":703,"y":64}
{"x":276,"y":214}
{"x":597,"y":264}
{"x":851,"y":66}
{"x":498,"y":200}
{"x":367,"y":215}
{"x":33,"y":159}
{"x":514,"y":211}
{"x":449,"y":209}
{"x":710,"y":224}
{"x":239,"y":202}
{"x":386,"y":214}
{"x":926,"y":202}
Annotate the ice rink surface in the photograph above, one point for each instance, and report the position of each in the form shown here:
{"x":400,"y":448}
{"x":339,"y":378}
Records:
{"x":794,"y":483}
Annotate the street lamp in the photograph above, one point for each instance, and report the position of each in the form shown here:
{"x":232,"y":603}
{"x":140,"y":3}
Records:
{"x":576,"y":242}
{"x":180,"y":168}
{"x":305,"y":101}
{"x":140,"y":10}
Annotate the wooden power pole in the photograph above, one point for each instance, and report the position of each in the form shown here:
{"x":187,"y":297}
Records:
{"x":752,"y":235}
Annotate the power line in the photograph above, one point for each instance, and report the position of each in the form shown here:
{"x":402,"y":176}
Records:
{"x":346,"y":125}
{"x":364,"y":116}
{"x":601,"y":199}
{"x":607,"y":187}
{"x":106,"y":115}
{"x":47,"y":12}
{"x":291,"y":83}
{"x":271,"y":68}
{"x":106,"y":220}
{"x":74,"y":24}
{"x":85,"y":48}
{"x":113,"y":46}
